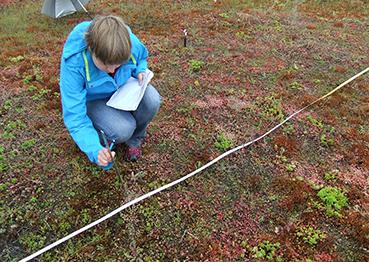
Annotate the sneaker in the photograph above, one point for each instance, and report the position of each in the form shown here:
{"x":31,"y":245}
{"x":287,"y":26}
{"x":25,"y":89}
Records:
{"x":133,"y":153}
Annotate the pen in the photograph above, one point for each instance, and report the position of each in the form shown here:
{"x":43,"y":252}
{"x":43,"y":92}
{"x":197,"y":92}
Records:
{"x":107,"y":144}
{"x":112,"y":145}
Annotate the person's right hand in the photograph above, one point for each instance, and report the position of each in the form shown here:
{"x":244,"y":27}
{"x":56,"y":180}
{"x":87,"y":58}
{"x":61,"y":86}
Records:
{"x":104,"y":158}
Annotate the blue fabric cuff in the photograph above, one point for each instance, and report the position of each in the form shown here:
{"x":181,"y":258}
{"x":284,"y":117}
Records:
{"x":106,"y":168}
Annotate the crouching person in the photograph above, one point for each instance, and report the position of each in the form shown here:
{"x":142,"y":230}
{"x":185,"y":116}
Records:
{"x":99,"y":57}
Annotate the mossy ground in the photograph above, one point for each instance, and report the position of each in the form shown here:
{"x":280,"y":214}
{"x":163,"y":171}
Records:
{"x":260,"y":61}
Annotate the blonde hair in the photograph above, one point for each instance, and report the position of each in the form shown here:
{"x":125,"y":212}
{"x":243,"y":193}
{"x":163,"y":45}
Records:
{"x":108,"y":39}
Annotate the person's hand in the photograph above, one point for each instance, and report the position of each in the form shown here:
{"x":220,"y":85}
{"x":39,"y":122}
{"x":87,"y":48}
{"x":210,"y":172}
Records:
{"x":140,"y":78}
{"x":104,"y":157}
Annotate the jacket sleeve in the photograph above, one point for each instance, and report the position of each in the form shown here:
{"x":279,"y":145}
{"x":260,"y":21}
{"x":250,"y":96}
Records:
{"x":73,"y":96}
{"x":140,"y":54}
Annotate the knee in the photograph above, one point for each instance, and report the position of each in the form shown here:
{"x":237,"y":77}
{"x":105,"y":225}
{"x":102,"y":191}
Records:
{"x":152,"y":100}
{"x":122,"y":132}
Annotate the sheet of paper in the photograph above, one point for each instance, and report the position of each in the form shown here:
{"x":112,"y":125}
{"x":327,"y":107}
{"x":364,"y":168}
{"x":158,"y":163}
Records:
{"x":129,"y":96}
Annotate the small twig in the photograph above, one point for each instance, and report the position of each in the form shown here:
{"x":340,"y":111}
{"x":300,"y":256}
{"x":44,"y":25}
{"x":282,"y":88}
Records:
{"x":184,"y":233}
{"x":192,"y":235}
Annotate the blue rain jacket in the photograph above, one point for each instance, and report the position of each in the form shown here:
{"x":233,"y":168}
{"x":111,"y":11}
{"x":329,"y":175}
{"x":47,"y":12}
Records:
{"x":82,"y":81}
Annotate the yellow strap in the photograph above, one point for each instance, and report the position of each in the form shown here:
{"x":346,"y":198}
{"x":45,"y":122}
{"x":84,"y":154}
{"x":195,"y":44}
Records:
{"x":86,"y":66}
{"x":133,"y":60}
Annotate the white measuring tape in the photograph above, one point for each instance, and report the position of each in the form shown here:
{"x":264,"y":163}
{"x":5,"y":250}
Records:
{"x":147,"y":195}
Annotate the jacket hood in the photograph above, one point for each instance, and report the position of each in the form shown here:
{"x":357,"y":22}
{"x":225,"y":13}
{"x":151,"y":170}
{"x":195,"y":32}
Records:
{"x":76,"y":40}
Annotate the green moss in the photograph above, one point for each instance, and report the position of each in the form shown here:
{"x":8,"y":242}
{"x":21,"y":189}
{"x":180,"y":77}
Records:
{"x":224,"y":15}
{"x":7,"y":105}
{"x":310,"y":235}
{"x":334,"y":200}
{"x":16,"y":59}
{"x":32,"y":241}
{"x":28,"y":144}
{"x":196,"y":65}
{"x":3,"y":187}
{"x":266,"y":250}
{"x":329,"y":176}
{"x":223,"y":143}
{"x":315,"y":122}
{"x":271,"y":107}
{"x":290,"y":167}
{"x":295,"y":86}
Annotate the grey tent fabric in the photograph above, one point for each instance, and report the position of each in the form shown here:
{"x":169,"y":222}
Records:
{"x":59,"y":8}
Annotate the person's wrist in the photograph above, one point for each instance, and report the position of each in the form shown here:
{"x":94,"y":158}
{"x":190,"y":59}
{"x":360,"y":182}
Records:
{"x":109,"y":166}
